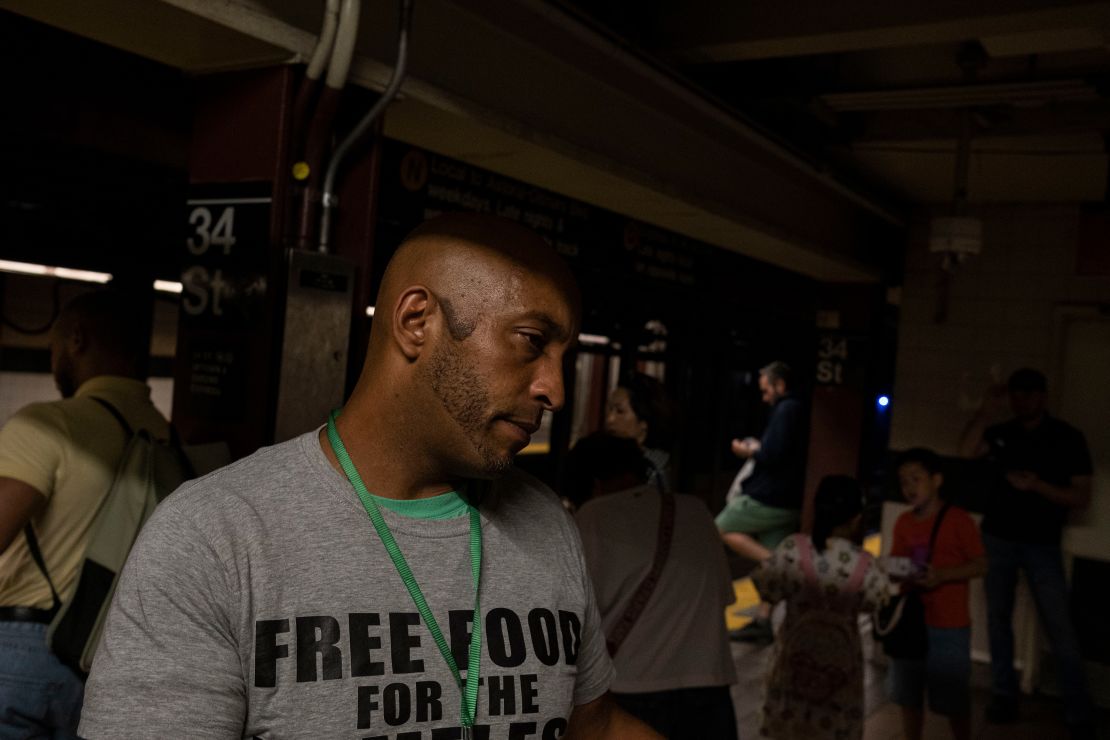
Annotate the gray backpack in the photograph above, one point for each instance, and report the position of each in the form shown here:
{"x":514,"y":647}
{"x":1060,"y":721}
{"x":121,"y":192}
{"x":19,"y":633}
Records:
{"x":148,"y":471}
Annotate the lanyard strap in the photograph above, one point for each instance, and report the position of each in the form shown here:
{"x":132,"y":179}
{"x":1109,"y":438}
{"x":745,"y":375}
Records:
{"x":469,"y":699}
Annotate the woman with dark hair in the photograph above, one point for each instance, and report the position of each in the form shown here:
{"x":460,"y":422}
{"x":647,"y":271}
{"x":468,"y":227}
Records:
{"x":639,"y":410}
{"x":815,"y":688}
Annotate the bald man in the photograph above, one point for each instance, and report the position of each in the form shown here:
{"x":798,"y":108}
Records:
{"x":57,"y":463}
{"x":355,"y":581}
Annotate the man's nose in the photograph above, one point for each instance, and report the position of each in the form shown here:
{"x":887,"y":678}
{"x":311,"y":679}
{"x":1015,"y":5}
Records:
{"x":547,"y":385}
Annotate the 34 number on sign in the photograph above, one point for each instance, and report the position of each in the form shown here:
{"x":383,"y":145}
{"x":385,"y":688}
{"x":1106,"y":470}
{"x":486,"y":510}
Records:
{"x":832,"y":354}
{"x":206,"y":234}
{"x":833,"y":348}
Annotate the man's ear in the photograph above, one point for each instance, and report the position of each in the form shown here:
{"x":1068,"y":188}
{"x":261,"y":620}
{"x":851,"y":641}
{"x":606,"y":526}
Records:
{"x":77,"y":339}
{"x":411,"y":320}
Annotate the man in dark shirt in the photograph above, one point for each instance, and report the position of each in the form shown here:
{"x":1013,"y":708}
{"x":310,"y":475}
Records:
{"x":1042,"y":472}
{"x":768,"y":509}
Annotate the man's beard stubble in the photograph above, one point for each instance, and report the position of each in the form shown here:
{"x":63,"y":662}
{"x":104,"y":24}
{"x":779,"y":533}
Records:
{"x":465,"y":397}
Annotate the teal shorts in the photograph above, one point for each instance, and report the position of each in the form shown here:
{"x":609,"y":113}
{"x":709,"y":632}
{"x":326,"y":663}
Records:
{"x":768,"y":524}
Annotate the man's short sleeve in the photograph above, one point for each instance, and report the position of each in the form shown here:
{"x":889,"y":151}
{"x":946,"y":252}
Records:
{"x":32,"y":446}
{"x":782,"y":438}
{"x":168,"y":664}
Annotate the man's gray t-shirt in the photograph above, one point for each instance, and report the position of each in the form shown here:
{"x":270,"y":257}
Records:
{"x":259,"y":601}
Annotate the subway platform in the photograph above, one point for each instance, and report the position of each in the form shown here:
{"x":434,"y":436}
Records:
{"x":1040,"y":715}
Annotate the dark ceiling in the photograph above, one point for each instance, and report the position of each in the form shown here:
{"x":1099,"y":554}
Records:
{"x":844,"y":84}
{"x":93,"y":151}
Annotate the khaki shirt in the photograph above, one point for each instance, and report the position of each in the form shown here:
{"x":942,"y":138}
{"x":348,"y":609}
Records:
{"x":68,"y":451}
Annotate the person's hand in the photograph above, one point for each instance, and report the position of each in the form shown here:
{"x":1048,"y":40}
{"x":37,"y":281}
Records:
{"x":929,"y":579}
{"x":745,"y":448}
{"x":1023,"y":480}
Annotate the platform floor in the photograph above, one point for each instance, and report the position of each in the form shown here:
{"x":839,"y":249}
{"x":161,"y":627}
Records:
{"x":1040,"y":715}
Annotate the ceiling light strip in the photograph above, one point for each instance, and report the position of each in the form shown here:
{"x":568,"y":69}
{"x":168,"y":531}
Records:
{"x":66,"y":273}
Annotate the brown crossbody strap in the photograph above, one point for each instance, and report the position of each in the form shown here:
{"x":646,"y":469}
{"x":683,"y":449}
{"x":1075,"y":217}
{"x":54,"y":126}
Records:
{"x":647,"y":586}
{"x":936,"y":530}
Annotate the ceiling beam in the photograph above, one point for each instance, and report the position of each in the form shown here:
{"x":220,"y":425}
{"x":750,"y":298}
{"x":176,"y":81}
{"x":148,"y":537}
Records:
{"x":917,"y":125}
{"x":172,"y":32}
{"x":710,"y":31}
{"x":562,"y":107}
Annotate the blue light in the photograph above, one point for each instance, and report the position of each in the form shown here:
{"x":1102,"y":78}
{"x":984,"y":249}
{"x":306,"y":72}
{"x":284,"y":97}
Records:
{"x":884,"y":401}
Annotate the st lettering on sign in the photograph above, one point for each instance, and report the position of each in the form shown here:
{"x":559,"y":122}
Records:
{"x":226,"y":251}
{"x":224,"y":279}
{"x":833,"y":356}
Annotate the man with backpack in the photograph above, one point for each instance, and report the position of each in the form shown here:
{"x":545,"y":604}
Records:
{"x":58,"y":461}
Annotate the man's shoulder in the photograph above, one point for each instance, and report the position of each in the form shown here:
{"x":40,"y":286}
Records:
{"x":790,"y":404}
{"x":523,"y":503}
{"x":255,"y":476}
{"x":1059,"y":428}
{"x":789,"y":409}
{"x":693,"y":518}
{"x":960,"y":515}
{"x":905,"y":520}
{"x":518,"y":489}
{"x":47,"y":417}
{"x":49,"y":411}
{"x":693,"y":506}
{"x":687,"y":506}
{"x":1051,"y":427}
{"x":604,"y":507}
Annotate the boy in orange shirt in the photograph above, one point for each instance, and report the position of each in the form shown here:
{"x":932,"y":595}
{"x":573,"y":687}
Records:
{"x":943,"y":575}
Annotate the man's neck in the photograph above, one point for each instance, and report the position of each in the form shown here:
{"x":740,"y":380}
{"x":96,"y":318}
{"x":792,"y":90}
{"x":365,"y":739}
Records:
{"x":929,"y":509}
{"x":621,"y":482}
{"x":384,"y":462}
{"x":1031,"y":423}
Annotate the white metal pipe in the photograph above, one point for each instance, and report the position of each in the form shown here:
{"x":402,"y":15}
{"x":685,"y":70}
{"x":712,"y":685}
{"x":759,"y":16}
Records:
{"x":325,"y":42}
{"x":344,"y":49}
{"x":329,"y":199}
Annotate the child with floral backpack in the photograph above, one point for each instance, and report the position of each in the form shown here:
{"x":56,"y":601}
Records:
{"x":815,"y":688}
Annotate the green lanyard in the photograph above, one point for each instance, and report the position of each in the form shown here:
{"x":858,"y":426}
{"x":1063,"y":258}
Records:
{"x":469,"y":699}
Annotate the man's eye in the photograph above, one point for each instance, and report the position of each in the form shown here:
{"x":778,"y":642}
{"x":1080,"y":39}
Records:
{"x":536,"y":341}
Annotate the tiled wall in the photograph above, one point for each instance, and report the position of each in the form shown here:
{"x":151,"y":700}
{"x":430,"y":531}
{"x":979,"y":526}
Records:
{"x":1000,"y":317}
